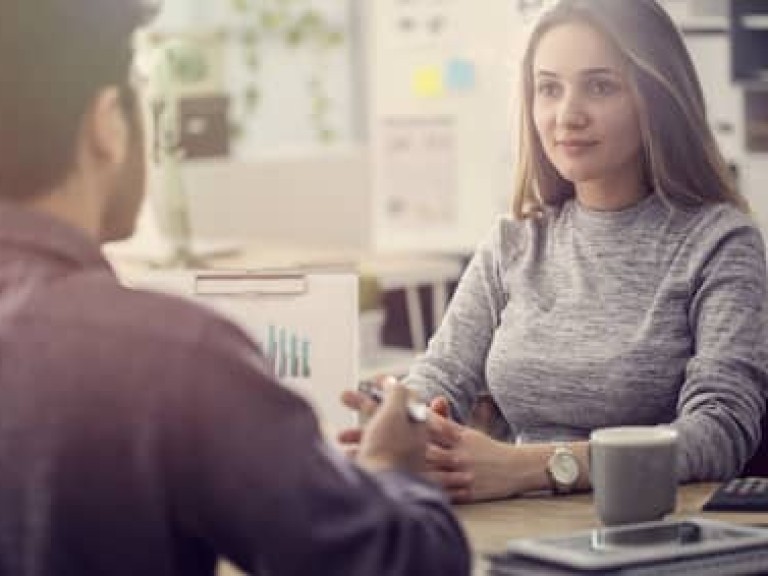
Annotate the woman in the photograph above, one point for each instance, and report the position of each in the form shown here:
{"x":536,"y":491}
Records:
{"x":627,"y":288}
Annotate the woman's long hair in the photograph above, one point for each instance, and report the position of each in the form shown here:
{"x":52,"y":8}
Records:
{"x":681,"y":160}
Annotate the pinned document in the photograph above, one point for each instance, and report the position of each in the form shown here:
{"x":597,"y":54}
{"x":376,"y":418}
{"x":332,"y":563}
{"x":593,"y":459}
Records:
{"x":418,"y":159}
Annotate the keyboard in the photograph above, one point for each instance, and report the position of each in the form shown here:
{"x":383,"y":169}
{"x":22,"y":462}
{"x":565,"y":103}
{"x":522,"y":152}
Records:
{"x":740,"y":495}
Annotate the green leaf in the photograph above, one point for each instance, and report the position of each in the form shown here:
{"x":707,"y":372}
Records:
{"x":334,"y":39}
{"x":236,"y":130}
{"x":320,"y":104}
{"x":327,"y":135}
{"x":188,"y":67}
{"x":271,"y":20}
{"x":240,"y":5}
{"x":294,"y":37}
{"x":251,"y":98}
{"x":311,"y":20}
{"x":252,"y":60}
{"x":249,"y":36}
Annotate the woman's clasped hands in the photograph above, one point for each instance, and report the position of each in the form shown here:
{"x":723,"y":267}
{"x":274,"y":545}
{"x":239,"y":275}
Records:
{"x":466,"y":463}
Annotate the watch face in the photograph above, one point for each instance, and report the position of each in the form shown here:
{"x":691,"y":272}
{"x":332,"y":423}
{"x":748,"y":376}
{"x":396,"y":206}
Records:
{"x":565,"y":468}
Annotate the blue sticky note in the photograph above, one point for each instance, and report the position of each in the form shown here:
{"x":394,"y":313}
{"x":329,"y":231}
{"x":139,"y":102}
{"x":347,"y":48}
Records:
{"x":460,"y":75}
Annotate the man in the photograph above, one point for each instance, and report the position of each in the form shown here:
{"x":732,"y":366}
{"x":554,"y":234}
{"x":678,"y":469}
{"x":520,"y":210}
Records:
{"x":140,"y":434}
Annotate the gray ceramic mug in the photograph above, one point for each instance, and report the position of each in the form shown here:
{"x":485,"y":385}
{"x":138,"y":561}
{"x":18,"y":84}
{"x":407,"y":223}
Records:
{"x":634,"y":473}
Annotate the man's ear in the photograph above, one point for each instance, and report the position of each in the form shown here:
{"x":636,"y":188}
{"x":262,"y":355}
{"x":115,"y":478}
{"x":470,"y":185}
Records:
{"x":105,"y":128}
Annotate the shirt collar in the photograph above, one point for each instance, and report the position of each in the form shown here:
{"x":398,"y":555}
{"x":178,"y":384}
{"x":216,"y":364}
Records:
{"x":37,"y":231}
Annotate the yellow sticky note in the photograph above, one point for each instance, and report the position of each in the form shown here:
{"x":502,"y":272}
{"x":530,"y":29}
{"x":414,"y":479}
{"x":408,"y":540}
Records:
{"x":428,"y":82}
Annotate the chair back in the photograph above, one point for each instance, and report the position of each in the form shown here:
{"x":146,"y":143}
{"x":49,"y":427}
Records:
{"x":758,"y":464}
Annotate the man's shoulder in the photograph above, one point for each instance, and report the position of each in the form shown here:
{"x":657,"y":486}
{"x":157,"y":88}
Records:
{"x":96,"y":302}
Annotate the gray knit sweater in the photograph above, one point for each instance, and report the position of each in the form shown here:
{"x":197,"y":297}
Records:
{"x":582,"y":319}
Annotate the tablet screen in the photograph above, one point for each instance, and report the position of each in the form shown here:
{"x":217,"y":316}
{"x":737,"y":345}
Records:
{"x":609,"y":541}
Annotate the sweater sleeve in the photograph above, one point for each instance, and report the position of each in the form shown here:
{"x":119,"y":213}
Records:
{"x":454,"y":363}
{"x":723,"y":396}
{"x":253,"y":479}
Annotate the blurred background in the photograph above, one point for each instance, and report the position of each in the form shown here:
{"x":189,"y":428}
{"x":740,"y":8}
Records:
{"x":380,"y":132}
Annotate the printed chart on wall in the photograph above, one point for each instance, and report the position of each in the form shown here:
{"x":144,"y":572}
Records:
{"x":306,"y":324}
{"x":440,"y":84}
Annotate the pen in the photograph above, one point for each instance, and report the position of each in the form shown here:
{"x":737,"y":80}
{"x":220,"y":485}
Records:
{"x":417,"y":411}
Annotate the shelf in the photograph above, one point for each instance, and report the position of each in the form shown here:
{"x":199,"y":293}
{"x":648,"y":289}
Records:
{"x":703,"y":25}
{"x":759,"y":75}
{"x":756,"y":122}
{"x":755,"y":22}
{"x":749,"y":41}
{"x":758,"y":130}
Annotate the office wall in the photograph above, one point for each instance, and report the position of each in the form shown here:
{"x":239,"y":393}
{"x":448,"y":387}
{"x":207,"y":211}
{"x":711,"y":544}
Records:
{"x":284,"y":188}
{"x":256,"y":191}
{"x":303,"y":198}
{"x":280,"y":184}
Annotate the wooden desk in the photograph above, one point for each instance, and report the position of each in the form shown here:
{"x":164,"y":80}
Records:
{"x":490,"y":524}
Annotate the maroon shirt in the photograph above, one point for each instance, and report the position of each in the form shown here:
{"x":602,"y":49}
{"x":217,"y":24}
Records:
{"x":141,"y":434}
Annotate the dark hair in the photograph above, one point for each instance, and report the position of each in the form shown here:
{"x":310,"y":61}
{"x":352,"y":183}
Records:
{"x":683,"y":163}
{"x":55,"y":57}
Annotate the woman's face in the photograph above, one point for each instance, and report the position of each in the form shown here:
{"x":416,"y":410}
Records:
{"x":584,"y":110}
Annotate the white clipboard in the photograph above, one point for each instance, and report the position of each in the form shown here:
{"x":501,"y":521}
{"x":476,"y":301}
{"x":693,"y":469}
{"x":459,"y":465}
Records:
{"x":306,"y":323}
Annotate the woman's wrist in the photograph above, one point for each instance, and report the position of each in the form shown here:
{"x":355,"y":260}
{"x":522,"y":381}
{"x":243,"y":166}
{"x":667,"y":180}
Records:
{"x":527,"y":466}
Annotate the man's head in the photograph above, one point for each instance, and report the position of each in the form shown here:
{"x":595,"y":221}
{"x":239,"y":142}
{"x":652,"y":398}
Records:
{"x":67,"y":109}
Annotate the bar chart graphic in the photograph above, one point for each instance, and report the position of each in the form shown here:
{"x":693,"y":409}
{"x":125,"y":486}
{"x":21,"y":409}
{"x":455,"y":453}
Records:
{"x":288,"y":352}
{"x":305,"y":323}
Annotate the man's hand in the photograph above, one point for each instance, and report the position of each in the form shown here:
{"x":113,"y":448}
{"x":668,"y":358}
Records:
{"x":390,"y":440}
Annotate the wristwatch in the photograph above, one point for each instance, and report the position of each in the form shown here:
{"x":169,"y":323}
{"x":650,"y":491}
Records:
{"x":563,"y":470}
